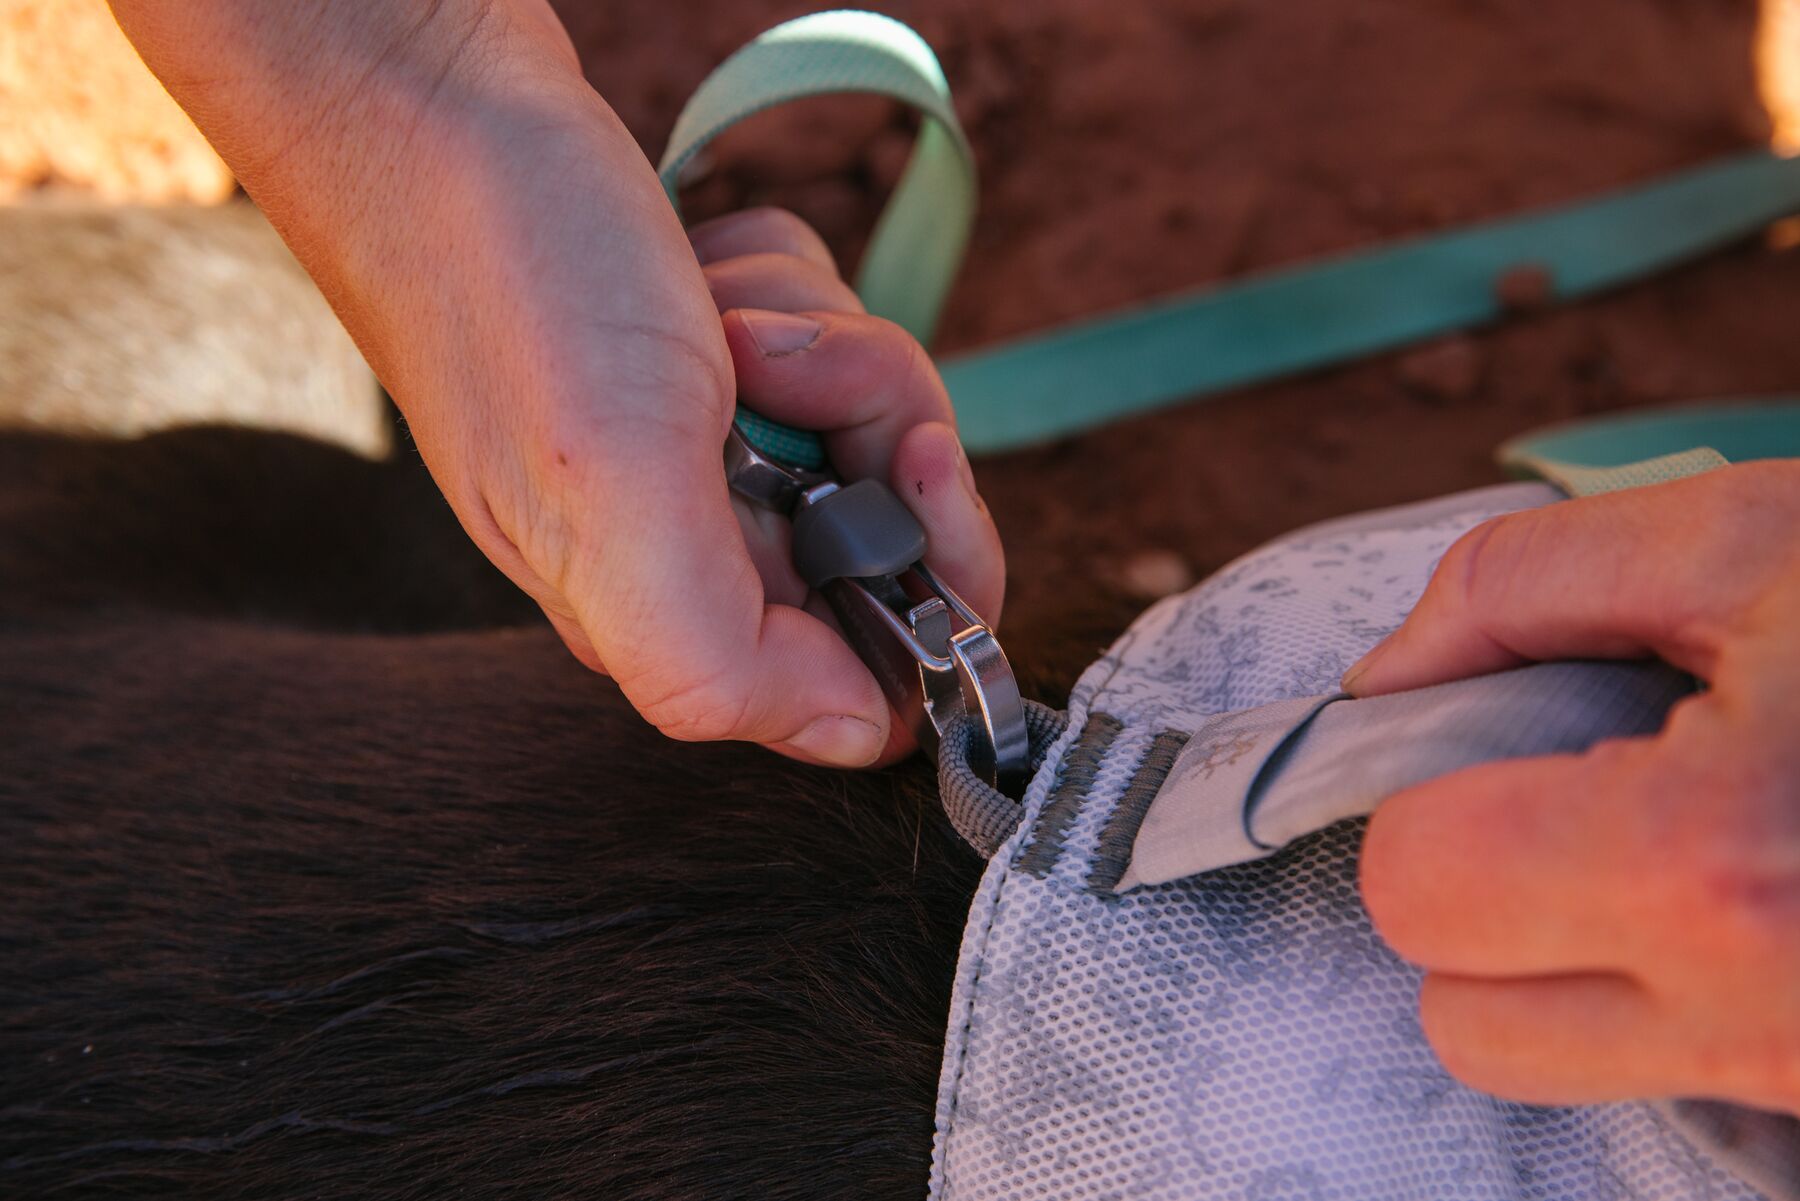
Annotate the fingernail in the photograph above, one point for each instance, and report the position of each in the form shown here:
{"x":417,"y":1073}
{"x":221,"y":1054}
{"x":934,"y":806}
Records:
{"x":840,"y":741}
{"x":776,"y":334}
{"x":1360,"y":668}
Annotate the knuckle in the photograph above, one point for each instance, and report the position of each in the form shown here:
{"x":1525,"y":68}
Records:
{"x":1756,"y":1061}
{"x":1477,"y":564}
{"x":1735,"y":515}
{"x":700,"y":709}
{"x":1747,"y":911}
{"x":1736,"y":869}
{"x":899,"y":366}
{"x":1772,"y":1065}
{"x":774,"y":279}
{"x":764,"y":229}
{"x":1771,"y":483}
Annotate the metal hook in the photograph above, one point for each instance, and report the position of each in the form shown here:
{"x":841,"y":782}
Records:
{"x":935,"y":658}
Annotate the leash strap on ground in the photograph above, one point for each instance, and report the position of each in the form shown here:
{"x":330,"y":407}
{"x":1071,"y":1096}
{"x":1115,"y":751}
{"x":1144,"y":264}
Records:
{"x":1204,"y":342}
{"x":1288,"y":321}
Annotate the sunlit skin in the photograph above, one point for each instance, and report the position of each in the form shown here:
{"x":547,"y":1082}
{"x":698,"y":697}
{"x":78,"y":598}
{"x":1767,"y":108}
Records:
{"x":1620,"y":923}
{"x":502,"y":252}
{"x":1624,"y":922}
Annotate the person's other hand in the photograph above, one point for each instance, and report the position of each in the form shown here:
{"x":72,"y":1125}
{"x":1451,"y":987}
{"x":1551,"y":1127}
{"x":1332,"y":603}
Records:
{"x":503,"y":253}
{"x":1624,"y":922}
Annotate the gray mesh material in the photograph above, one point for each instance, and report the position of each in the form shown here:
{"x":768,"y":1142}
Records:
{"x":1241,"y":1033}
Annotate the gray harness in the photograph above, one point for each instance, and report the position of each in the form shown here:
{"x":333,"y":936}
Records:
{"x":1168,"y":987}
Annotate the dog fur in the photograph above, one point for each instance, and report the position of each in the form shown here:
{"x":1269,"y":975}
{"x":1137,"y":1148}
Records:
{"x":329,"y":872}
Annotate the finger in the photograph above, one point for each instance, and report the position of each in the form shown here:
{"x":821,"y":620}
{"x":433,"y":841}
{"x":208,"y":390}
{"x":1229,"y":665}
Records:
{"x":768,"y":536}
{"x":1650,"y":570}
{"x":863,"y":380}
{"x":687,"y":631}
{"x":932,"y":475}
{"x":764,"y":230}
{"x":1510,"y":869}
{"x":901,"y":742}
{"x":1557,"y":1040}
{"x":779,"y":282}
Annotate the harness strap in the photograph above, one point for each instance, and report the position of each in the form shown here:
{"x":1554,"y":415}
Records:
{"x":1651,"y":446}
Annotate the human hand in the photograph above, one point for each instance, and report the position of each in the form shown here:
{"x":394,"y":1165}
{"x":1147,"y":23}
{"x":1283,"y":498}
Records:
{"x":1624,"y":922}
{"x":805,"y":353}
{"x":505,"y":258}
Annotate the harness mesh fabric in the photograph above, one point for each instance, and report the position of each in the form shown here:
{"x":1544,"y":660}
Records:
{"x":1240,"y":1033}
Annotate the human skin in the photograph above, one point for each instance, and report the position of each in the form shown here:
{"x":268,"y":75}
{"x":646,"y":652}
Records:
{"x":567,"y":361}
{"x":1623,"y":922}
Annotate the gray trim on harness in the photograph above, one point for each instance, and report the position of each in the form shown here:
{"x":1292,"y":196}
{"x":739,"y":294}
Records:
{"x":1074,"y":777}
{"x":983,"y":815}
{"x":1120,"y":832}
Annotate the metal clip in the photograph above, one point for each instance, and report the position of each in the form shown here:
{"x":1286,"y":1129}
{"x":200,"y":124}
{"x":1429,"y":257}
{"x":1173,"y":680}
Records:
{"x":961,"y":673}
{"x":935,"y":658}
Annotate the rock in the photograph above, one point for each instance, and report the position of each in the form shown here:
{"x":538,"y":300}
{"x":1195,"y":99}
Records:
{"x":78,"y":107}
{"x":1154,"y":574}
{"x":119,"y":321}
{"x":1527,"y":288}
{"x":1450,"y":369}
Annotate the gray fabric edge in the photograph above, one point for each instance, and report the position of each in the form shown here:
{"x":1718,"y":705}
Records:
{"x":1119,"y":835}
{"x":1514,"y":497}
{"x":1252,"y":782}
{"x":1075,"y":775}
{"x":972,"y":957}
{"x":1225,"y":755}
{"x":984,"y":816}
{"x":1370,"y":749}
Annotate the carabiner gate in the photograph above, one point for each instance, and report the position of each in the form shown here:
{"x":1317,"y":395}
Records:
{"x":936,"y":660}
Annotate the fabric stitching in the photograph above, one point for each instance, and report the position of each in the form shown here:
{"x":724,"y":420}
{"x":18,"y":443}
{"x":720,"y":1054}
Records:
{"x":1120,"y":832}
{"x":1070,"y":793}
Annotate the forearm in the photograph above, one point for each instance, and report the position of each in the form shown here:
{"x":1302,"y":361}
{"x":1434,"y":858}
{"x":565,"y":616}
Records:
{"x":381,"y":137}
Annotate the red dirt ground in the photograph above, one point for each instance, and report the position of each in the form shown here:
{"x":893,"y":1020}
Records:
{"x":1133,"y":147}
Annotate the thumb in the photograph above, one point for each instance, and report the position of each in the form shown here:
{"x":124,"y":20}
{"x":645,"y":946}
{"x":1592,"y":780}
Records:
{"x":1651,"y":571}
{"x":675,"y":609}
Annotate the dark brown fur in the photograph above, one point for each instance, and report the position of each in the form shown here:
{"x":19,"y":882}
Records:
{"x":328,"y":873}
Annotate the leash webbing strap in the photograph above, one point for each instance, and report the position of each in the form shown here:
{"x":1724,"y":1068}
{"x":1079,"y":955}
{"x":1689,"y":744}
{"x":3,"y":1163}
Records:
{"x":918,"y":242}
{"x":1203,"y":342}
{"x":1289,"y":321}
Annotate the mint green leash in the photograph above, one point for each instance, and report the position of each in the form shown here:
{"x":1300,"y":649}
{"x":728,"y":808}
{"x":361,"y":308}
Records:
{"x":918,"y":242}
{"x":1284,"y":322}
{"x":1200,"y":343}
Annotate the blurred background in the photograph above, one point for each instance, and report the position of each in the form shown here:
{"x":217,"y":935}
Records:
{"x":1126,"y":149}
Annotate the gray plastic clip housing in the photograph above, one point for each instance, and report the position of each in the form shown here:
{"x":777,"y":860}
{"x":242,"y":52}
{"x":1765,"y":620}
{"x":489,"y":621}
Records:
{"x":854,"y":532}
